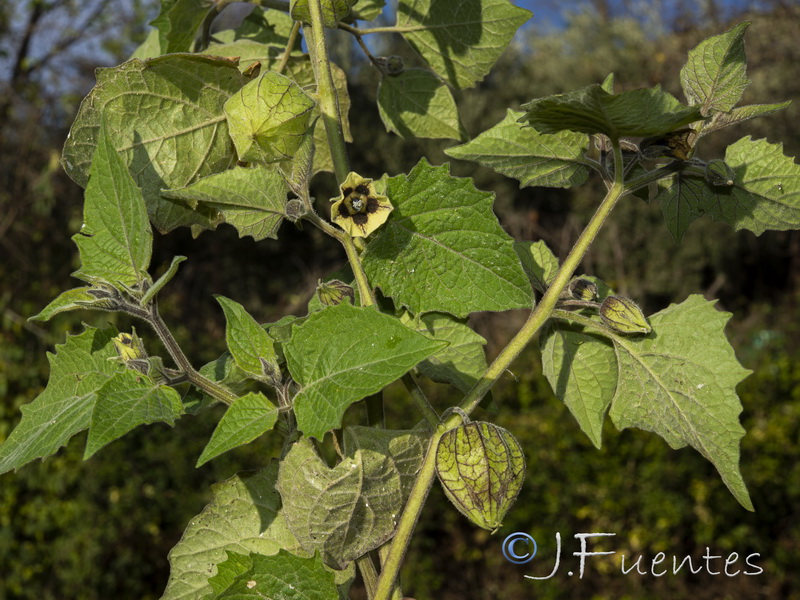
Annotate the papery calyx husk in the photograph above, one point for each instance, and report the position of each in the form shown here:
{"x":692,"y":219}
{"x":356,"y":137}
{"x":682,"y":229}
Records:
{"x":359,"y":209}
{"x":334,"y":292}
{"x":623,"y":315}
{"x":481,"y":467}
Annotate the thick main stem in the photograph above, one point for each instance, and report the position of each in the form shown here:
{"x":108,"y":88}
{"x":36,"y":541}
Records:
{"x":537,"y":318}
{"x":408,"y":520}
{"x":328,"y":100}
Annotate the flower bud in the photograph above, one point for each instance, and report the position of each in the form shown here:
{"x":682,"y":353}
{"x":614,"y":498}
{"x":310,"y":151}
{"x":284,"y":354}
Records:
{"x":390,"y":65}
{"x":582,"y":289}
{"x":129,"y":347}
{"x":719,"y":174}
{"x":334,"y":292}
{"x":131,"y":352}
{"x":481,"y":468}
{"x":295,"y":210}
{"x":623,"y":316}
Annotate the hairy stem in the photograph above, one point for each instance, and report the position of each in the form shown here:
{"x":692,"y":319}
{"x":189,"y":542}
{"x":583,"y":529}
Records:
{"x":153,"y":317}
{"x":537,"y":318}
{"x":572,"y":317}
{"x":548,"y":302}
{"x":289,"y":45}
{"x":408,"y":520}
{"x":368,"y":574}
{"x":430,"y":414}
{"x":664,"y":171}
{"x":328,"y":100}
{"x":364,"y":289}
{"x":354,"y":31}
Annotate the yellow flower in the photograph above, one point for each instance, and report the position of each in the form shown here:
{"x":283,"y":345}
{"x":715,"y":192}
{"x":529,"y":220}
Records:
{"x":360,"y":210}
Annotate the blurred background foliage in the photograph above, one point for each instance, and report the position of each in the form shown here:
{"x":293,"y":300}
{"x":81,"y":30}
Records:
{"x":103,"y":528}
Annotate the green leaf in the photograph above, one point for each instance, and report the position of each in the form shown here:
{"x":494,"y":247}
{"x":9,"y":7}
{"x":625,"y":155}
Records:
{"x":442,"y":248}
{"x":535,"y":159}
{"x":253,"y":200}
{"x":460,"y":42}
{"x":247,"y":52}
{"x":150,"y":47}
{"x":416,"y":103}
{"x":333,"y":11}
{"x":680,"y":383}
{"x":74,"y":299}
{"x":159,"y":284}
{"x":269,"y":26}
{"x":299,"y":170}
{"x":250,"y":345}
{"x":243,"y":516}
{"x":165,"y":117}
{"x":245,"y":420}
{"x":342,"y":354}
{"x":115,"y":241}
{"x":223,"y":371}
{"x":268,"y":117}
{"x":178,"y":22}
{"x":765,"y":193}
{"x":643,"y":112}
{"x":740,"y":114}
{"x":462,"y":362}
{"x":714,"y":76}
{"x":229,"y":570}
{"x":368,"y":10}
{"x":127,"y":400}
{"x":299,"y":70}
{"x":683,"y":200}
{"x":582,"y":370}
{"x":539,"y":263}
{"x":608,"y":83}
{"x":78,"y":370}
{"x":283,"y":575}
{"x":352,"y":508}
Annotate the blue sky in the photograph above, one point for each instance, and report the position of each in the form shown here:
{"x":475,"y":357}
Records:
{"x":548,"y":12}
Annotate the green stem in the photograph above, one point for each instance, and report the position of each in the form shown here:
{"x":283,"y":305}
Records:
{"x":572,"y":317}
{"x":662,"y":172}
{"x":328,"y":100}
{"x":357,"y":35}
{"x":548,"y":302}
{"x":368,"y":574}
{"x":421,"y":400}
{"x":153,"y":317}
{"x":383,"y":552}
{"x":535,"y":321}
{"x":289,"y":45}
{"x":366,"y":292}
{"x":411,"y":512}
{"x":390,"y":29}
